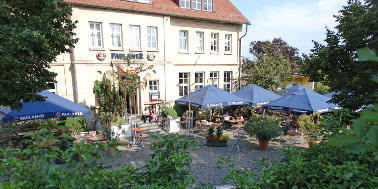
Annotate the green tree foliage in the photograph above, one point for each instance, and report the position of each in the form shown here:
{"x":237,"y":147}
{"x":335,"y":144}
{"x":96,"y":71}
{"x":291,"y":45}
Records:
{"x":321,"y":88}
{"x":32,"y":33}
{"x":335,"y":64}
{"x":268,"y":72}
{"x":276,"y":48}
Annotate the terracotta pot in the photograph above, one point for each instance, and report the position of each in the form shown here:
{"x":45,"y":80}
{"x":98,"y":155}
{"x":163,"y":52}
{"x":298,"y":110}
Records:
{"x":111,"y":149}
{"x":310,"y":143}
{"x":263,"y":144}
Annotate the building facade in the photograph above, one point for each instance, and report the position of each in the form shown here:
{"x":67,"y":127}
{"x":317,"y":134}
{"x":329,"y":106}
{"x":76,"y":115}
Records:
{"x":189,"y":43}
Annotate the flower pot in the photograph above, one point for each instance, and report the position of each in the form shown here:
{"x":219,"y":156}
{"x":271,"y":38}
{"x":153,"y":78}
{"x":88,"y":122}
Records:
{"x":263,"y":144}
{"x":216,"y":143}
{"x":111,"y":149}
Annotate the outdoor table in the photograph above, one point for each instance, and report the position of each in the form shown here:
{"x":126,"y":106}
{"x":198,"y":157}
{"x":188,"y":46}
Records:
{"x":136,"y":129}
{"x":98,"y":138}
{"x":238,"y":144}
{"x":140,"y":142}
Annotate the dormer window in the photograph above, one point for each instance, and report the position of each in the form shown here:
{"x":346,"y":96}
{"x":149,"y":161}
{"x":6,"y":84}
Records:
{"x":208,"y":5}
{"x":197,"y":4}
{"x":141,"y":1}
{"x":185,"y":4}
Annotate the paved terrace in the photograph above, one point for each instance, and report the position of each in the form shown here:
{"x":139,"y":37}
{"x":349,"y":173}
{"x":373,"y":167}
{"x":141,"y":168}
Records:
{"x":204,"y":158}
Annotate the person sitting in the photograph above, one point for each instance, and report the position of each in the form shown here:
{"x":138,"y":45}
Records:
{"x":146,"y":114}
{"x":226,"y":117}
{"x":153,"y":116}
{"x":183,"y":117}
{"x":240,"y":117}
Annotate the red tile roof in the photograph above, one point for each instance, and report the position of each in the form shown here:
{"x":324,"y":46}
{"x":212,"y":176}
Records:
{"x":225,"y":11}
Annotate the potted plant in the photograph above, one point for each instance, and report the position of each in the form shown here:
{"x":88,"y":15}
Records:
{"x":309,"y":127}
{"x":264,"y":128}
{"x":218,"y":140}
{"x":170,"y":115}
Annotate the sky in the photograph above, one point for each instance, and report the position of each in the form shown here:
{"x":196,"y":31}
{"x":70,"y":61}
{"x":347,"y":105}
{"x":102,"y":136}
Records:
{"x":298,"y":22}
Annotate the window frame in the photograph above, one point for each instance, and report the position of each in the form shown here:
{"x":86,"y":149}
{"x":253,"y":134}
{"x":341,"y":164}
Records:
{"x":154,"y":84}
{"x":228,"y":43}
{"x":183,"y":39}
{"x":134,"y":35}
{"x":208,"y":5}
{"x":116,"y":33}
{"x":212,"y":78}
{"x":149,"y":40}
{"x":199,"y":80}
{"x":214,"y":42}
{"x":183,"y":83}
{"x":227,"y":81}
{"x":185,"y":4}
{"x":196,"y":3}
{"x":98,"y":35}
{"x":199,"y":41}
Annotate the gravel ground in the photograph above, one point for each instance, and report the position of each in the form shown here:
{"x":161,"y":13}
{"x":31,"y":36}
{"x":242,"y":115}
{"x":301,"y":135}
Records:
{"x":205,"y":158}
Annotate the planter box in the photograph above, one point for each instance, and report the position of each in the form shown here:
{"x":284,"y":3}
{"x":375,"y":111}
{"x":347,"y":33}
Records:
{"x":217,"y":143}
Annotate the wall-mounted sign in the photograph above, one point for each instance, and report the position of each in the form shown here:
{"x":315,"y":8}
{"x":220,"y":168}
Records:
{"x":150,"y":56}
{"x":101,"y":55}
{"x":154,"y":96}
{"x":124,"y":55}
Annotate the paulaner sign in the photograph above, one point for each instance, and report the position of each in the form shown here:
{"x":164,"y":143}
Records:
{"x":39,"y":116}
{"x":123,"y":55}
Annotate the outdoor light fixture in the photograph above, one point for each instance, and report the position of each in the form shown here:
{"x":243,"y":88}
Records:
{"x":147,"y":78}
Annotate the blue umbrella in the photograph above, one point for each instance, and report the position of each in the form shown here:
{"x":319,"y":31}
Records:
{"x":331,"y":94}
{"x":54,"y":106}
{"x":291,"y":89}
{"x":211,"y":97}
{"x":302,"y":101}
{"x":257,"y":95}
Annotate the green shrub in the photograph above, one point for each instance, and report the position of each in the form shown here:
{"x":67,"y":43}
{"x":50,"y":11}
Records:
{"x":169,"y":111}
{"x":180,"y":109}
{"x":77,"y":124}
{"x":263,"y":127}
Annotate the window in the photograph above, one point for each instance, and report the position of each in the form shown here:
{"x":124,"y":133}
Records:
{"x":52,"y":87}
{"x":213,"y":79}
{"x":197,"y":4}
{"x":199,"y":80}
{"x":214,"y":42}
{"x":151,"y":38}
{"x":208,"y":5}
{"x":183,"y":40}
{"x":227,"y":81}
{"x":199,"y":41}
{"x":227,"y":44}
{"x":116,"y":35}
{"x":153,"y":85}
{"x":185,"y":4}
{"x":134,"y":37}
{"x":183,"y":83}
{"x":96,"y":36}
{"x":144,"y":1}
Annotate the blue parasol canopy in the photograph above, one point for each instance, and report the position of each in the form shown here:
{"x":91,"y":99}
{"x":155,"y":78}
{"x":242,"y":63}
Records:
{"x":302,"y":101}
{"x":54,"y":106}
{"x":291,"y":89}
{"x":211,"y":97}
{"x":257,"y":95}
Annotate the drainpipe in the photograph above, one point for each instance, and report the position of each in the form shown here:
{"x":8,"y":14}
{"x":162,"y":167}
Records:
{"x":74,"y":78}
{"x":240,"y":56}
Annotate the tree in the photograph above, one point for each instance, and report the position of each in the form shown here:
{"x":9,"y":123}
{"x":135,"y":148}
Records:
{"x":268,"y":72}
{"x":32,"y":33}
{"x":335,"y":64}
{"x":276,"y":48}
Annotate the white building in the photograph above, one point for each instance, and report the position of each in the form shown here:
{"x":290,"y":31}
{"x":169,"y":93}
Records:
{"x":199,"y":39}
